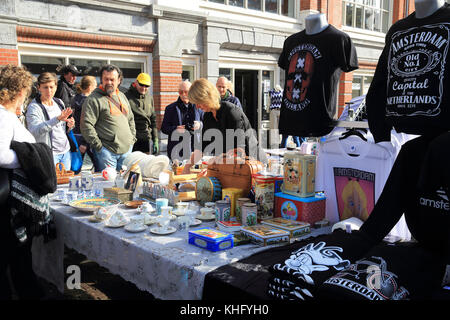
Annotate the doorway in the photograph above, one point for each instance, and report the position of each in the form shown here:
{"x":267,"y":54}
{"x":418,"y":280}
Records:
{"x":246,"y":89}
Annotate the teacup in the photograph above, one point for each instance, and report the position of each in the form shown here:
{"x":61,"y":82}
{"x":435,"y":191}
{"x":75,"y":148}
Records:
{"x":181,"y":207}
{"x":166,"y":210}
{"x":61,"y":194}
{"x":118,"y":218}
{"x":163,"y":221}
{"x":70,"y":196}
{"x":101,"y":213}
{"x":148,"y":218}
{"x":161,"y":202}
{"x":145,"y":207}
{"x":206,"y":212}
{"x":136,"y":222}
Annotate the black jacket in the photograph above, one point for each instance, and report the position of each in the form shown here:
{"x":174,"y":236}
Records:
{"x":230,"y":116}
{"x":65,"y":91}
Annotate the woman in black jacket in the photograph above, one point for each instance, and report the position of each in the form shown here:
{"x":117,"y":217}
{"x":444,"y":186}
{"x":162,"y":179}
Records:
{"x":225,"y":126}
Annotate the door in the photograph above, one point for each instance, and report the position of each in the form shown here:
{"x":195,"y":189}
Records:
{"x":246,"y":89}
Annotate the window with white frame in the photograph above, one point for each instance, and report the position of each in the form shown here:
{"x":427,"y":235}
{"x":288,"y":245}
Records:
{"x":281,"y":7}
{"x":371,"y":15}
{"x":361,"y":84}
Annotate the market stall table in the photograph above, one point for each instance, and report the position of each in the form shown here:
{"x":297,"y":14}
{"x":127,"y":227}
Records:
{"x":166,"y":266}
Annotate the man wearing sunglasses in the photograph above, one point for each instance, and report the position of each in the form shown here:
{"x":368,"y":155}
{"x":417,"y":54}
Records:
{"x":141,"y":103}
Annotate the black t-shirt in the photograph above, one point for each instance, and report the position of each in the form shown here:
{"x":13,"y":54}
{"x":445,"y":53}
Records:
{"x":410,"y":87}
{"x":313,"y":65}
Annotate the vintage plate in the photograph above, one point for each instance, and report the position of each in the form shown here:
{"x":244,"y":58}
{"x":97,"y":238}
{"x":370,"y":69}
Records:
{"x":129,"y":229}
{"x":196,"y":223}
{"x":133,"y":204}
{"x":206,"y":217}
{"x":90,"y":205}
{"x":169,"y":230}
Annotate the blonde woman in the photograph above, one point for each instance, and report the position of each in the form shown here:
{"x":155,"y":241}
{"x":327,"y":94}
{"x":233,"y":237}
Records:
{"x":84,"y":89}
{"x":48,"y":119}
{"x":229,"y":121}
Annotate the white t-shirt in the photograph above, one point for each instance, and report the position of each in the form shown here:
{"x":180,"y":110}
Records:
{"x":353,"y":184}
{"x":11,"y":129}
{"x":60,"y":143}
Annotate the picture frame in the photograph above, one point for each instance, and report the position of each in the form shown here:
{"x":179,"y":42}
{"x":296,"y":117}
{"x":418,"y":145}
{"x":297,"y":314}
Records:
{"x":132,"y":181}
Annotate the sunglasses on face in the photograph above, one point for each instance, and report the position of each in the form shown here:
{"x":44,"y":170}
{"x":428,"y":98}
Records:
{"x":143,"y":85}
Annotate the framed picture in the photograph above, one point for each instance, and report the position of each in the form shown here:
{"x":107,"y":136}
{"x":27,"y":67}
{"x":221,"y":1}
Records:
{"x":132,"y":181}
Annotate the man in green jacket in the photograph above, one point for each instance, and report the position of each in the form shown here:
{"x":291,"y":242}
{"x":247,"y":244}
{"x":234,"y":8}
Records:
{"x":107,"y":122}
{"x":141,"y":103}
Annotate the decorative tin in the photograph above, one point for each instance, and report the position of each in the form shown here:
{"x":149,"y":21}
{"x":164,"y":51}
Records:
{"x":208,"y":189}
{"x":299,"y":174}
{"x":238,"y":210}
{"x":278,"y":183}
{"x":264,"y":195}
{"x":295,"y":228}
{"x":211,"y":239}
{"x":311,"y":209}
{"x":117,"y":193}
{"x":266,"y":235}
{"x":232,"y":194}
{"x":249,"y":214}
{"x":223,"y":210}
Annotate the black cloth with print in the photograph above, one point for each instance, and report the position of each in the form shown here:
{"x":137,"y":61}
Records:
{"x":313,"y":65}
{"x":409,"y":89}
{"x":387,"y":272}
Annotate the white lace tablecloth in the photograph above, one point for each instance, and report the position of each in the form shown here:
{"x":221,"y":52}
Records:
{"x":166,"y":266}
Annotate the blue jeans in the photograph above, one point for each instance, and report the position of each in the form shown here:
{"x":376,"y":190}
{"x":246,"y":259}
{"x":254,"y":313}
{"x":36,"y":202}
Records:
{"x":106,"y":158}
{"x":65,"y":158}
{"x":296,"y":139}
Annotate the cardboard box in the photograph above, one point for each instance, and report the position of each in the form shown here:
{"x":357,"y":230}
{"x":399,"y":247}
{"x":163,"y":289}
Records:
{"x":266,"y":235}
{"x":295,"y":228}
{"x":211,"y":239}
{"x":311,"y":209}
{"x":299,"y":174}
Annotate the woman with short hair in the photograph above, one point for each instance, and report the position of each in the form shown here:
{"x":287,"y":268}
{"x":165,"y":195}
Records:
{"x":225,"y":119}
{"x":48,"y":119}
{"x":20,"y":201}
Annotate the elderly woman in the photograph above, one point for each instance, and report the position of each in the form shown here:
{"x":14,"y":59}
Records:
{"x":48,"y":119}
{"x":224,"y":121}
{"x":19,"y":151}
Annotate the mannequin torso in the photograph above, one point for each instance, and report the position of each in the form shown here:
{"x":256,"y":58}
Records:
{"x":425,"y":8}
{"x":315,"y":23}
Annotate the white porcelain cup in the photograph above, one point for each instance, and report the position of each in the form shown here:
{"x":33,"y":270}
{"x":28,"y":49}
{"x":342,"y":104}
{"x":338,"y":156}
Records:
{"x":136,"y":222}
{"x":145,"y":207}
{"x":205,"y":212}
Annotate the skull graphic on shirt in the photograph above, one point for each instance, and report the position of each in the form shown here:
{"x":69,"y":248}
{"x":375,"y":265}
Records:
{"x":300,"y":72}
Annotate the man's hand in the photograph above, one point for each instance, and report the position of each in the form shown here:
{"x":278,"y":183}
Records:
{"x":196,"y":125}
{"x":181,"y":129}
{"x":82,"y":148}
{"x":155,"y":147}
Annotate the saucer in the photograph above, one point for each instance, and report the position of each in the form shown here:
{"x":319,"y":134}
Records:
{"x":195,"y":223}
{"x":94,"y":219}
{"x":107,"y":224}
{"x":169,"y":230}
{"x":129,"y":229}
{"x":206,"y":217}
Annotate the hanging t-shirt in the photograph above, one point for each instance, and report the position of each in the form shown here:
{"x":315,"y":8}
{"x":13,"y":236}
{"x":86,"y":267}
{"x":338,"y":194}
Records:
{"x":313,"y":65}
{"x":353,"y":184}
{"x":409,"y":88}
{"x":275,"y":99}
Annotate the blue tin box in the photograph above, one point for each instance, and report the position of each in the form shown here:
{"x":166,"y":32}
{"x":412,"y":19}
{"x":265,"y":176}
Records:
{"x":211,"y":239}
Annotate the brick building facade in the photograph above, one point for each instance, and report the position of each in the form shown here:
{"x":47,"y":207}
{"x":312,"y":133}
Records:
{"x":177,"y":39}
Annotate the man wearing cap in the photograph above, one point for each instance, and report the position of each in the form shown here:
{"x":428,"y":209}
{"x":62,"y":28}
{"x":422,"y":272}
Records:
{"x":141,"y":103}
{"x":222,"y":85}
{"x":107,"y":122}
{"x":182,"y":123}
{"x":66,"y":90}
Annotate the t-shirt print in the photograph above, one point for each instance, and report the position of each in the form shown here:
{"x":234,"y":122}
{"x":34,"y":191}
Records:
{"x":416,"y":70}
{"x":355,"y":192}
{"x":301,"y":70}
